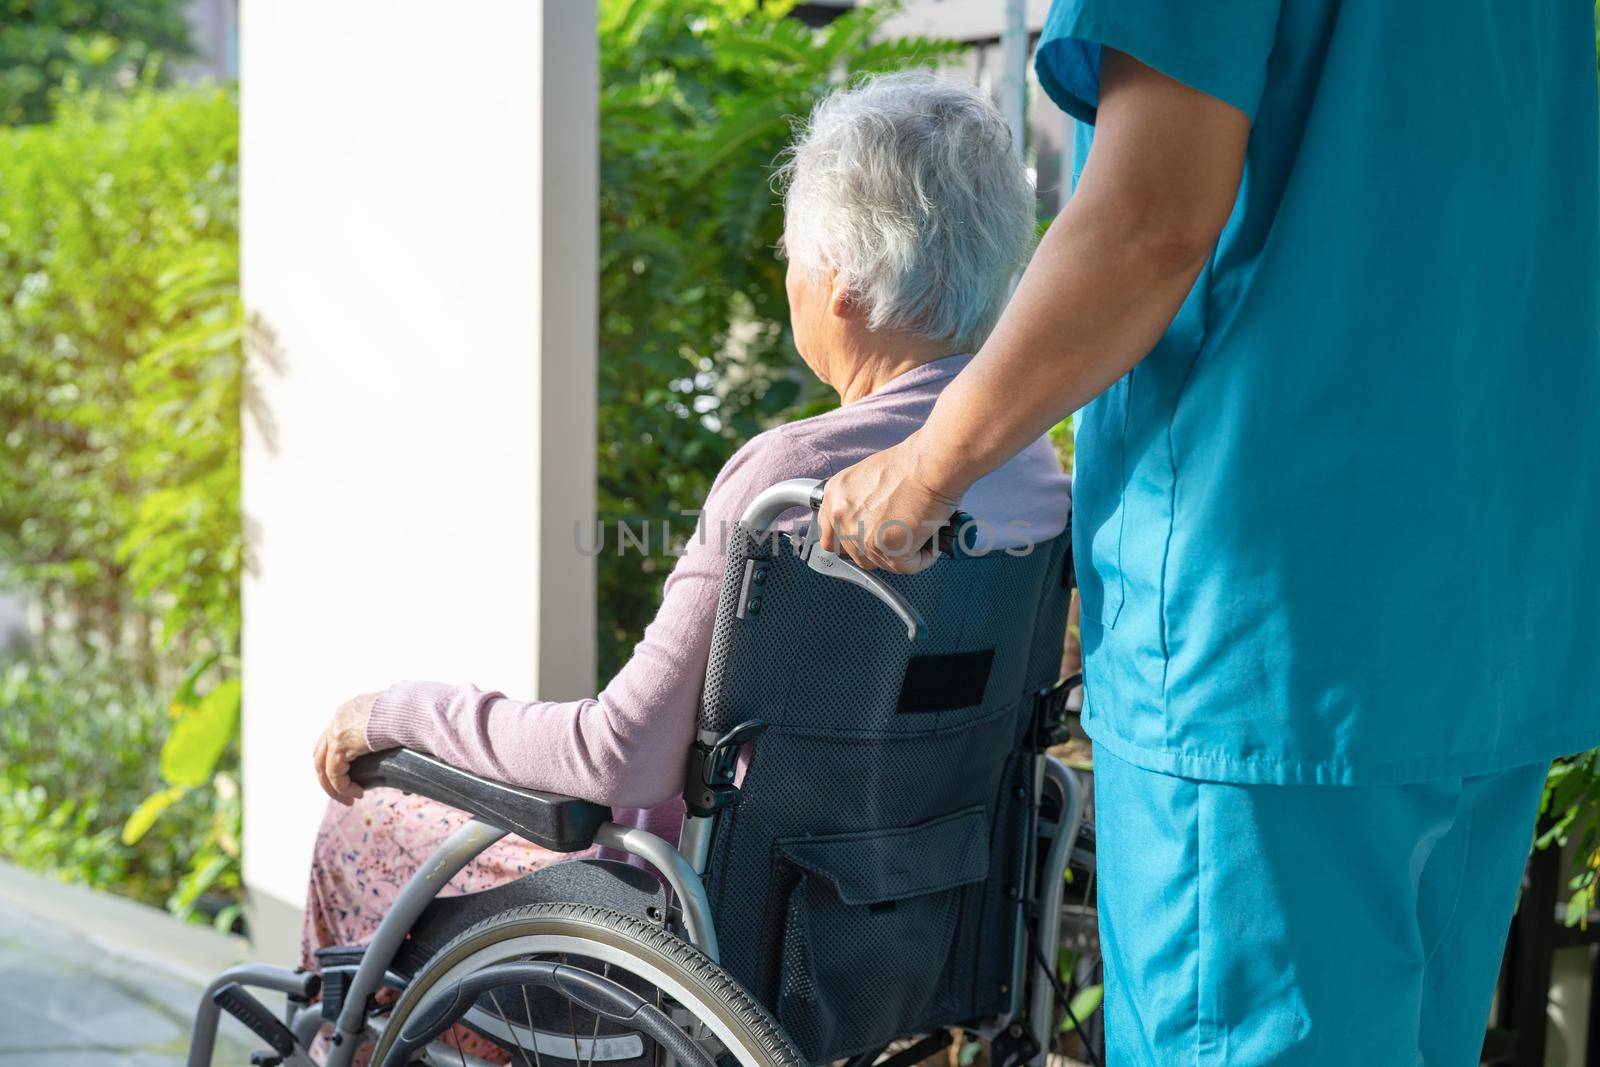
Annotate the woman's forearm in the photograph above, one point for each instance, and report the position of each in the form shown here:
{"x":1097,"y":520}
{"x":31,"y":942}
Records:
{"x":623,"y":748}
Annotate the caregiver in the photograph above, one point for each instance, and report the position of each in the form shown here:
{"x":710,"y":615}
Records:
{"x":1331,"y":279}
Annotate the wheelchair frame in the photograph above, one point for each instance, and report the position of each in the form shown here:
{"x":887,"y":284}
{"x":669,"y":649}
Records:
{"x":564,"y":824}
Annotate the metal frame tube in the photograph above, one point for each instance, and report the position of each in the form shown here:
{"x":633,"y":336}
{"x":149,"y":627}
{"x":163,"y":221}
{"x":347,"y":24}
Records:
{"x":1047,"y":935}
{"x":305,"y":1024}
{"x":680,"y":874}
{"x":694,"y":841}
{"x":776,"y":499}
{"x":455,"y":853}
{"x":1021,"y":961}
{"x":1014,"y":74}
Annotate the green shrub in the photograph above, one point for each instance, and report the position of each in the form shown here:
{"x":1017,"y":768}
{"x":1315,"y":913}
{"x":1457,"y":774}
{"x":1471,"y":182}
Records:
{"x":120,"y":372}
{"x":78,"y":753}
{"x":697,"y":100}
{"x":120,"y":393}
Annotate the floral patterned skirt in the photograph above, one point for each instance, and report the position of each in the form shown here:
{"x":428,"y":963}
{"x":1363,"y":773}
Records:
{"x":365,"y":854}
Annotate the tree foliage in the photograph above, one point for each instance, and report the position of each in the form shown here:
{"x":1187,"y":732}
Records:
{"x":47,"y":44}
{"x":120,"y":371}
{"x":120,"y":394}
{"x":697,"y":101}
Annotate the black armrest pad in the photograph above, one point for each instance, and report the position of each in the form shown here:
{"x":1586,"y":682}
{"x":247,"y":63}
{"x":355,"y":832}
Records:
{"x":550,"y":820}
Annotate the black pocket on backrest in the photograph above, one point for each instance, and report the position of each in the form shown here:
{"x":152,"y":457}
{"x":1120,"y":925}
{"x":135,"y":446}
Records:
{"x":869,"y":928}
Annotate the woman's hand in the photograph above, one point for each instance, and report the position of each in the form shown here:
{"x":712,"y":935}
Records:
{"x":340,"y":744}
{"x":882,"y":513}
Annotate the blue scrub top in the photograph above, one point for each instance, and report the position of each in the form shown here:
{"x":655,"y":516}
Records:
{"x":1342,"y":525}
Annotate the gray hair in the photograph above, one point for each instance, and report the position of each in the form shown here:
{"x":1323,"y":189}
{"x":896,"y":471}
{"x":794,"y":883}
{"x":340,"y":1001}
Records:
{"x":908,"y":185}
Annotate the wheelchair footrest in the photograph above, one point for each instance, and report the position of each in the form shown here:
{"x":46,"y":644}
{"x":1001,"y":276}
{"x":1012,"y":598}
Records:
{"x":233,"y":999}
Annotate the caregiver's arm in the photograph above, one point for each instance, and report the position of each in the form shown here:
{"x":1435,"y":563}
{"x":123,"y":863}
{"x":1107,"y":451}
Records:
{"x":1103,"y":286}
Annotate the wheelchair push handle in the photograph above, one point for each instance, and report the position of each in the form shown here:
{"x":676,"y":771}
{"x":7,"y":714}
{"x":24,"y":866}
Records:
{"x":774,"y":500}
{"x":807,"y":493}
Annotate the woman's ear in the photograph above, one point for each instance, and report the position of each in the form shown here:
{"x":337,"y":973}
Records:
{"x":841,"y":301}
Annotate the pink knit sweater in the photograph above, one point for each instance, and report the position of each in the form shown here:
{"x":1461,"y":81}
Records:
{"x":626,"y":747}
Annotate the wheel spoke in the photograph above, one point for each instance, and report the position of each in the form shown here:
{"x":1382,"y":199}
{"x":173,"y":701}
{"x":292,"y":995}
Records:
{"x":494,"y":998}
{"x":533,"y":1033}
{"x":594,"y":1037}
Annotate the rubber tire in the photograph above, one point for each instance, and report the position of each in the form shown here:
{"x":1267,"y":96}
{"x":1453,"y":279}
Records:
{"x":739,"y":1011}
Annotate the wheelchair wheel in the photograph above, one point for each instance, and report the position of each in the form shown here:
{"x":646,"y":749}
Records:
{"x":544,"y":982}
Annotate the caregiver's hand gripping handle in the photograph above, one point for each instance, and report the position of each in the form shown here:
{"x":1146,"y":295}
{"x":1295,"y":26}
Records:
{"x":807,"y":492}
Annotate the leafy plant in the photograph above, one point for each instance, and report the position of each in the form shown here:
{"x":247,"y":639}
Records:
{"x":119,"y":372}
{"x":76,"y":740}
{"x":1571,"y":818}
{"x":1085,"y":1002}
{"x":203,"y":731}
{"x":120,"y":391}
{"x":697,"y":101}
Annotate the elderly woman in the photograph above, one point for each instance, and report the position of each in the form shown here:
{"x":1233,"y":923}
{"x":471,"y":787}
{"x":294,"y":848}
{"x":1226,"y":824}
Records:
{"x":906,"y":215}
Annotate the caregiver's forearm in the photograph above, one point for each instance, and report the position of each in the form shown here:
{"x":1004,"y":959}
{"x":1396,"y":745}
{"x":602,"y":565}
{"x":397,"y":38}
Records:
{"x":1094,"y":301}
{"x":1107,"y":279}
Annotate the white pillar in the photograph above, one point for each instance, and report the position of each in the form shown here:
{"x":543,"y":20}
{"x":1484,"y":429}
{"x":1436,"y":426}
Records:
{"x":419,"y":257}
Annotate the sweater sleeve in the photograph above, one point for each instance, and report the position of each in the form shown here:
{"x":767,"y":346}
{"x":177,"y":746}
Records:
{"x":625,"y":747}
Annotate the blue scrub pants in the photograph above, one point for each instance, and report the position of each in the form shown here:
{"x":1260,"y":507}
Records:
{"x":1305,"y":925}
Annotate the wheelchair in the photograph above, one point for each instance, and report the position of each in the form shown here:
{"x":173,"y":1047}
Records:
{"x":874,"y":850}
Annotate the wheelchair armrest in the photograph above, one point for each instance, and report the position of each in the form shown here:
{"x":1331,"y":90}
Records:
{"x":549,"y":820}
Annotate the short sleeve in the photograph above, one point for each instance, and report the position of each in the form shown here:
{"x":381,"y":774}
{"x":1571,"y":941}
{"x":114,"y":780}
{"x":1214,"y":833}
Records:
{"x":1219,"y":47}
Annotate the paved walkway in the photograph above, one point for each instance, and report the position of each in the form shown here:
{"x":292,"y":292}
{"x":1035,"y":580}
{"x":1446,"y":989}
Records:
{"x":68,"y":997}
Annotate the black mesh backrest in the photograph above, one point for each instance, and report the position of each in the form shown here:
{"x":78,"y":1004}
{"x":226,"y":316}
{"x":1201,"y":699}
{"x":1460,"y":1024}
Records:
{"x":860,"y":887}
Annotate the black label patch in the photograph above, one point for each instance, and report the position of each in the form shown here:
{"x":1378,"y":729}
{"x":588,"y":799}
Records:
{"x":944,"y":683}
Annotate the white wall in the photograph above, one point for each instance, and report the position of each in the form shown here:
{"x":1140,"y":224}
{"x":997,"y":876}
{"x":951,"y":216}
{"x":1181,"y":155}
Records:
{"x":419,"y":237}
